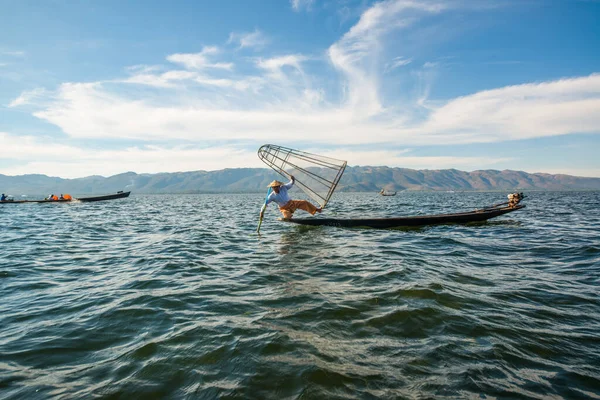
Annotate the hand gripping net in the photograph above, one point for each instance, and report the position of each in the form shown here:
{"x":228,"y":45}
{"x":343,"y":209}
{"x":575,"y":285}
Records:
{"x":316,"y":175}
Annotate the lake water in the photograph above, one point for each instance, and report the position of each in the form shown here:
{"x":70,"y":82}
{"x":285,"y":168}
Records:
{"x":177,"y":297}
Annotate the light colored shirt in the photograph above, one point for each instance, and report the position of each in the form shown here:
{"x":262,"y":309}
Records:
{"x":282,"y":197}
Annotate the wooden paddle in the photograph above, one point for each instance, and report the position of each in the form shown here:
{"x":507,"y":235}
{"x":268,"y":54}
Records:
{"x":262,"y":211}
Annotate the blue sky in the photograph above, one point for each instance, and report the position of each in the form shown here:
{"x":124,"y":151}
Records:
{"x":104,"y":87}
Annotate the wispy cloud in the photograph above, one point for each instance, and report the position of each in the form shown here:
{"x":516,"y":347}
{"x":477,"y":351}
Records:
{"x":13,"y":53}
{"x":424,"y":81}
{"x":27,"y":97}
{"x":199,"y":60}
{"x":167,"y":79}
{"x":143,"y":69}
{"x":357,"y":54}
{"x":276,"y":64}
{"x":396,"y":63}
{"x":256,"y":39}
{"x":505,"y":62}
{"x":298,"y":5}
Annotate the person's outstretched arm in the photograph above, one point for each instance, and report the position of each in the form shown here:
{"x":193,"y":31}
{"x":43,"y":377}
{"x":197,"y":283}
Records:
{"x":291,"y":182}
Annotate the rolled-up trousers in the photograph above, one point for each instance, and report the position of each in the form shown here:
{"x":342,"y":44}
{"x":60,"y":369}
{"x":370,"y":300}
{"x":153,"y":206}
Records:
{"x":288,"y":209}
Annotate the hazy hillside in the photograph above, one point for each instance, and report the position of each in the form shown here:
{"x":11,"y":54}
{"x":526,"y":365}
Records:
{"x":256,"y":179}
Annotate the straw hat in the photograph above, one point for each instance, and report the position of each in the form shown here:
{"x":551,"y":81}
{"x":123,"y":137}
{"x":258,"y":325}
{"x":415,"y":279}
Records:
{"x":275,"y":183}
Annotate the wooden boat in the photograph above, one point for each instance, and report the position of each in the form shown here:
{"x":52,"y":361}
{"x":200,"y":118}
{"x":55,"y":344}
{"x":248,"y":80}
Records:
{"x":400,"y":222}
{"x":113,"y":196}
{"x":118,"y":195}
{"x":34,"y":201}
{"x":387,"y":194}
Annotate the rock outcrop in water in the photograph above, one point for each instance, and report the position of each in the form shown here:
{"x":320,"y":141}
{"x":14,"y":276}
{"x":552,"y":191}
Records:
{"x":355,"y":179}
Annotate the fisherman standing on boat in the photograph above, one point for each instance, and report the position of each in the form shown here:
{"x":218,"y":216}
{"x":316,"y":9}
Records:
{"x":287,"y":206}
{"x":3,"y":197}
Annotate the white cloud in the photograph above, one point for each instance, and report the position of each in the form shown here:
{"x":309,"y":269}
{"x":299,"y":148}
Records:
{"x":276,"y":63}
{"x":275,"y":66}
{"x":254,"y":39}
{"x":44,"y":154}
{"x":519,"y":112}
{"x":585,"y":172}
{"x":186,"y":79}
{"x":199,"y":60}
{"x":397,"y":62}
{"x":143,"y":69}
{"x":13,"y":53}
{"x":206,"y":101}
{"x":27,"y":97}
{"x":424,"y":80}
{"x":516,"y":112}
{"x":298,"y":5}
{"x":356,"y":55}
{"x":89,"y":111}
{"x":168,"y":79}
{"x":401,"y":158}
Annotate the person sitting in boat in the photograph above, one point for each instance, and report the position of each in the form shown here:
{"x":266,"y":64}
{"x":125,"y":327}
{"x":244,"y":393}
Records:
{"x":3,"y":198}
{"x":286,"y":205}
{"x":61,"y":197}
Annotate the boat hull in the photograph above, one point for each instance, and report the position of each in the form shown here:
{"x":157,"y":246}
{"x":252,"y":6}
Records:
{"x":400,"y":222}
{"x":118,"y":195}
{"x":33,"y":201}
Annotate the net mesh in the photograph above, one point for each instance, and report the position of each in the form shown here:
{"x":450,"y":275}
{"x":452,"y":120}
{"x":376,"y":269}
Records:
{"x":316,"y":175}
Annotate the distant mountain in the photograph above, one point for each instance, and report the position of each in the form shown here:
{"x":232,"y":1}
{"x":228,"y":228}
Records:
{"x":355,"y":179}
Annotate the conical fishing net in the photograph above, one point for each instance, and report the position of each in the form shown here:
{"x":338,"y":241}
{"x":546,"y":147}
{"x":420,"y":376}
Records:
{"x":316,"y":175}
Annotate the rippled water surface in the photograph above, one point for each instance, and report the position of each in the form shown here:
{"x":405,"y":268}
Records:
{"x":177,"y":297}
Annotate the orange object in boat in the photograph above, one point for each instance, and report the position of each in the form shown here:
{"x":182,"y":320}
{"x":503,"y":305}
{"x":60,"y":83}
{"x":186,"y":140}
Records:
{"x":55,"y":197}
{"x":67,"y":197}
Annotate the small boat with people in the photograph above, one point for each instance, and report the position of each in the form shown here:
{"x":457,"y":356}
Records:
{"x":66,"y":198}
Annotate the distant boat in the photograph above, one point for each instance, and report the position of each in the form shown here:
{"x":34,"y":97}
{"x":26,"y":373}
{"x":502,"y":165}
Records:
{"x":382,"y":193}
{"x":118,"y":195}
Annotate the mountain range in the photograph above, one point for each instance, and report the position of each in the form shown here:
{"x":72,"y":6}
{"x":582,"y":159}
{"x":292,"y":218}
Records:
{"x":240,"y":180}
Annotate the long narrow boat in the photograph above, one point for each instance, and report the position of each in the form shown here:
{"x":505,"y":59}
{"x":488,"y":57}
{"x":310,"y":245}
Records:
{"x":113,"y":196}
{"x":34,"y":201}
{"x":118,"y":195}
{"x":400,"y":222}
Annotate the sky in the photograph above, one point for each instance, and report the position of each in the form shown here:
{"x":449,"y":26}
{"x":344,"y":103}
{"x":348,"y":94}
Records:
{"x":105,"y":87}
